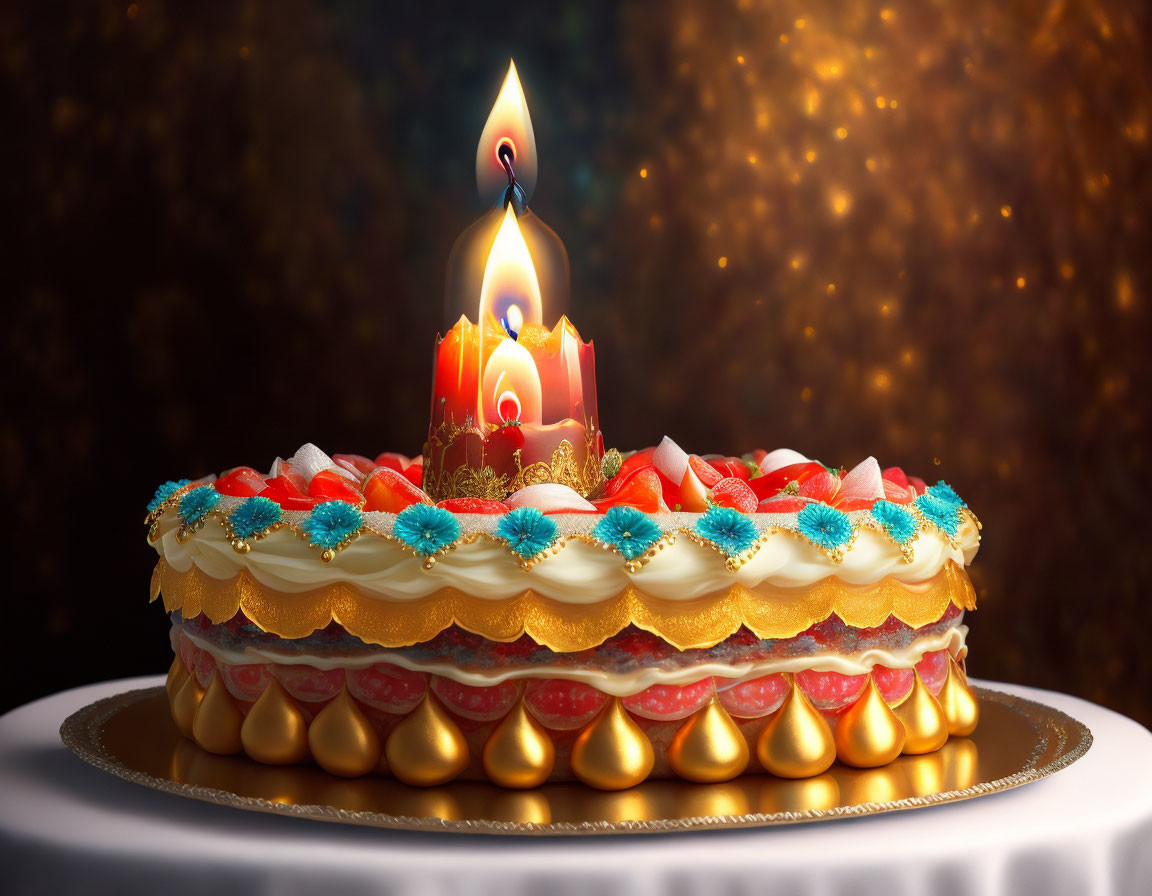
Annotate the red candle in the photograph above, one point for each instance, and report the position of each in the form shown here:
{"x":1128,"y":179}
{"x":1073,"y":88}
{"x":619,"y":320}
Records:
{"x":517,"y":406}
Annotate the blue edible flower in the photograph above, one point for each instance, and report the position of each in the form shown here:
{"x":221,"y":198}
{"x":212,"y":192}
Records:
{"x":825,"y":526}
{"x":728,"y":529}
{"x":943,"y":513}
{"x":195,"y":505}
{"x":527,"y":531}
{"x":897,"y":521}
{"x":628,"y":530}
{"x":426,"y":529}
{"x":254,"y":515}
{"x":164,"y":492}
{"x":331,"y":524}
{"x":945,"y":492}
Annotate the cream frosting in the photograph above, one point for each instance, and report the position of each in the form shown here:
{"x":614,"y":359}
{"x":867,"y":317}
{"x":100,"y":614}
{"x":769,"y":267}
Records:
{"x":618,"y":684}
{"x":577,"y":573}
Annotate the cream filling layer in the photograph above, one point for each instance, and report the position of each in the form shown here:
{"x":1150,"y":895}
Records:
{"x":618,"y":684}
{"x":578,"y":573}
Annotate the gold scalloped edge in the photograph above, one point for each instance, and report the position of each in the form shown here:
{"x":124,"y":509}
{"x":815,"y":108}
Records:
{"x":769,"y":612}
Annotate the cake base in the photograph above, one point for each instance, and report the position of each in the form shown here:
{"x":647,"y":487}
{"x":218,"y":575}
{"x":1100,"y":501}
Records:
{"x":133,"y":737}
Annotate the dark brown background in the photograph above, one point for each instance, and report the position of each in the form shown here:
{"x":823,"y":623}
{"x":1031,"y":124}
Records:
{"x":912,"y":230}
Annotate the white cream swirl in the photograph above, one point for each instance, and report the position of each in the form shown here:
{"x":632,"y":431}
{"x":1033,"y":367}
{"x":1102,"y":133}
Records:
{"x":578,"y":573}
{"x":618,"y":684}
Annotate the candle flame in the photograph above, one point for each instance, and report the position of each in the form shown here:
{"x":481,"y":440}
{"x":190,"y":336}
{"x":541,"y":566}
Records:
{"x":510,"y":291}
{"x":508,"y":123}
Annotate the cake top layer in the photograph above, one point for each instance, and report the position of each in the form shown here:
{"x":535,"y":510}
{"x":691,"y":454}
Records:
{"x":314,"y":521}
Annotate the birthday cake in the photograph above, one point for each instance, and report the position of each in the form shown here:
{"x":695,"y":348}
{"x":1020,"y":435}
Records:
{"x":519,"y":605}
{"x":806,"y":614}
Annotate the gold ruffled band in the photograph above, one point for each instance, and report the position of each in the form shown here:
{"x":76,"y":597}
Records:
{"x":768,"y":611}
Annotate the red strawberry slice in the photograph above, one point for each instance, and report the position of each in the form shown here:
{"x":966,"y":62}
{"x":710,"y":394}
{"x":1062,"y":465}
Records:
{"x":392,"y":461}
{"x":307,"y":683}
{"x":634,"y":462}
{"x":731,"y":466}
{"x":355,"y":463}
{"x":782,"y":504}
{"x":474,"y":505}
{"x":830,"y":690}
{"x":755,"y":698}
{"x":414,"y":472}
{"x":898,"y":494}
{"x":704,"y":471}
{"x":563,"y":705}
{"x":896,"y":476}
{"x":933,"y":669}
{"x":735,"y":493}
{"x":242,"y":482}
{"x":205,"y":668}
{"x":328,"y":485}
{"x":893,"y":684}
{"x":823,"y":486}
{"x":642,"y":490}
{"x":481,"y":704}
{"x":769,"y":484}
{"x":387,"y":687}
{"x":388,"y":490}
{"x":919,"y":484}
{"x":669,"y":702}
{"x":245,"y":681}
{"x":285,"y":492}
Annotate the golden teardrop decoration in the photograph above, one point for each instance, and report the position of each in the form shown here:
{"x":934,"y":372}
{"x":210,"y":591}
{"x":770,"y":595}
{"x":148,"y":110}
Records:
{"x":427,"y":748}
{"x":796,"y":741}
{"x":708,"y":748}
{"x":216,"y":726}
{"x":519,"y":753}
{"x":612,"y":753}
{"x":869,"y":734}
{"x":342,"y":740}
{"x":176,"y":675}
{"x":961,"y":708}
{"x":185,"y":704}
{"x":925,"y":727}
{"x":275,"y":731}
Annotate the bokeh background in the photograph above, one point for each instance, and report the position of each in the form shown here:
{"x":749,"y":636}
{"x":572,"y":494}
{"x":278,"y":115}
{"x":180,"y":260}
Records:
{"x":919,"y":230}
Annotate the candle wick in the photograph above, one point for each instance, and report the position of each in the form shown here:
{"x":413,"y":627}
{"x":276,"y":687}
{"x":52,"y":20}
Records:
{"x":514,"y":193}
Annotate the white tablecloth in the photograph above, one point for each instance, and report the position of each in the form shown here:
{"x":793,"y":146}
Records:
{"x":67,"y":827}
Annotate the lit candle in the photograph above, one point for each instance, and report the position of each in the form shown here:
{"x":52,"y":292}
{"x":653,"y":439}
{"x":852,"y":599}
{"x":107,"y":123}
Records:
{"x":513,"y":403}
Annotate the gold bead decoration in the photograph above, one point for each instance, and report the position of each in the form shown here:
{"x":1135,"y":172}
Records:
{"x":177,"y":674}
{"x":961,"y":708}
{"x":869,"y":734}
{"x":185,"y":704}
{"x":925,"y":727}
{"x":216,"y":725}
{"x":796,"y":741}
{"x":519,"y":753}
{"x":427,"y":748}
{"x":708,"y":748}
{"x":275,"y":731}
{"x":342,"y":740}
{"x":612,"y":753}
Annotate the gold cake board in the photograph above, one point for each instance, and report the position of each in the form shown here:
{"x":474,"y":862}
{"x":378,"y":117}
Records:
{"x":132,"y":736}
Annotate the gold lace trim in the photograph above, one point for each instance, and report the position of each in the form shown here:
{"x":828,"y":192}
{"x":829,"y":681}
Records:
{"x":768,"y":611}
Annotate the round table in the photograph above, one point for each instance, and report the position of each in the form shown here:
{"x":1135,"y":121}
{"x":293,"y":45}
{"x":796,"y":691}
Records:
{"x":68,"y":827}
